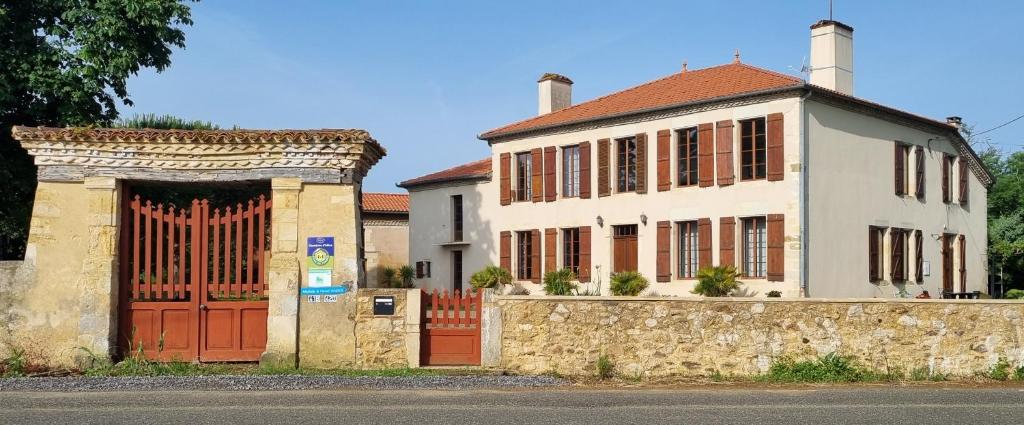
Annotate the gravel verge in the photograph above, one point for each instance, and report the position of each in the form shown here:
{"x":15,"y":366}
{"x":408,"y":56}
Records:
{"x":274,"y":383}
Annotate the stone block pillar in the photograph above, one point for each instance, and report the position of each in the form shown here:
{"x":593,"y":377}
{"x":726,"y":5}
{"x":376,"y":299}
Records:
{"x":97,"y":326}
{"x":283,"y":275}
{"x":490,"y":330}
{"x":413,"y":318}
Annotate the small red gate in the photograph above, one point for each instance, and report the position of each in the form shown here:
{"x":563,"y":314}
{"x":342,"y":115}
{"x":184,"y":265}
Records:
{"x":451,"y":328}
{"x":193,"y":284}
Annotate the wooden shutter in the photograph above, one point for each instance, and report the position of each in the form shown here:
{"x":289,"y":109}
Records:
{"x":776,"y":154}
{"x":727,"y":241}
{"x":537,"y":174}
{"x":664,"y":251}
{"x":724,"y":157}
{"x":945,"y":179}
{"x":419,"y":270}
{"x":584,"y":275}
{"x":535,"y":242}
{"x":550,"y":250}
{"x":603,"y":170}
{"x":703,"y":243}
{"x":874,"y":274}
{"x":963,"y":180}
{"x":641,"y":163}
{"x":585,"y":170}
{"x":664,"y":160}
{"x":896,"y":256}
{"x":776,"y":242}
{"x":963,"y":262}
{"x":705,"y":155}
{"x":549,"y":174}
{"x":918,"y":257}
{"x":900,"y":169}
{"x":505,"y":175}
{"x":919,"y":172}
{"x":505,"y":251}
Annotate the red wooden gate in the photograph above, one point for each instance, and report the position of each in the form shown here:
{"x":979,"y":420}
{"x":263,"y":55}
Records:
{"x":193,"y":284}
{"x":451,"y":328}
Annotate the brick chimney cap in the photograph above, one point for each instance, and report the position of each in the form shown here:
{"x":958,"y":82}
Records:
{"x":554,"y":77}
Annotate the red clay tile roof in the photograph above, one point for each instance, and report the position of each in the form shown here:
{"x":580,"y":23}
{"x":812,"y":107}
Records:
{"x":680,"y":88}
{"x":386,"y":202}
{"x":474,"y":170}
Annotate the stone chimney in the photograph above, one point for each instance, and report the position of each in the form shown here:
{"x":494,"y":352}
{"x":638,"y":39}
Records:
{"x":832,"y":56}
{"x":554,"y":93}
{"x":955,"y":121}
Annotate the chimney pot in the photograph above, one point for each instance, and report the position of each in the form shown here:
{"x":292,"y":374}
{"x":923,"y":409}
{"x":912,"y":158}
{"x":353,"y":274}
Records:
{"x":832,"y":56}
{"x":955,"y":121}
{"x":554,"y":93}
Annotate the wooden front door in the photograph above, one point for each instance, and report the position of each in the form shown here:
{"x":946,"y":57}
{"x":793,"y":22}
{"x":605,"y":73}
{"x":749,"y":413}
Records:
{"x":450,"y":333}
{"x":193,"y":283}
{"x":947,"y":263}
{"x":624,"y":248}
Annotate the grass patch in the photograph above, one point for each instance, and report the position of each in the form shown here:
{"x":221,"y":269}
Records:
{"x":831,"y":368}
{"x":924,"y":374}
{"x":605,"y":367}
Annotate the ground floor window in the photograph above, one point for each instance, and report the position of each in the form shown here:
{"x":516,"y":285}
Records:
{"x":688,"y":249}
{"x":524,"y":248}
{"x":571,"y":249}
{"x":624,"y":249}
{"x":755,"y":248}
{"x":457,"y":270}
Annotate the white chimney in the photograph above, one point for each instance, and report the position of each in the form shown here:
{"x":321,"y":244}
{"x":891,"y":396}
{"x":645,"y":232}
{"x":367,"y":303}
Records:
{"x":555,"y":92}
{"x":832,"y":56}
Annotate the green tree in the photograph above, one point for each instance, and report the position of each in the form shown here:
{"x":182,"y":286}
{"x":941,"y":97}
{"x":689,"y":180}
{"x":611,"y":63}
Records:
{"x":1006,"y":216}
{"x":67,"y":63}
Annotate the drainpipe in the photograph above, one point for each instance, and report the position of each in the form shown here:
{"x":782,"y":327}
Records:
{"x":804,"y":186}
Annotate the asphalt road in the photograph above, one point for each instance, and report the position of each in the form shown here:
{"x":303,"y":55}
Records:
{"x":896,"y":405}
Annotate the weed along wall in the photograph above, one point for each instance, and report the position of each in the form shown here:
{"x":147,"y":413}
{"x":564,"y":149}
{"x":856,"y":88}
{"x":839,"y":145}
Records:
{"x":659,"y":337}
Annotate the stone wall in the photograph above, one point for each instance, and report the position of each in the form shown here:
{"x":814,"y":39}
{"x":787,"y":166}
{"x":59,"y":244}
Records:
{"x":381,"y":340}
{"x":659,"y":336}
{"x":11,"y":289}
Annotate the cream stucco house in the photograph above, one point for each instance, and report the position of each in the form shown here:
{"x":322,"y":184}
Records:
{"x":804,"y":187}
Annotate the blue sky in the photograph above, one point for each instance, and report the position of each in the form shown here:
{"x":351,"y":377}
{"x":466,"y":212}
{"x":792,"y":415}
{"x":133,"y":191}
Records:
{"x":426,"y":77}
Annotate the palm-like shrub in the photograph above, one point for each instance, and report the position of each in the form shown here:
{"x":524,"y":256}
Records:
{"x":389,"y":277}
{"x":560,"y":282}
{"x":405,"y":275}
{"x":717,"y":281}
{"x":490,"y":277}
{"x":628,"y":283}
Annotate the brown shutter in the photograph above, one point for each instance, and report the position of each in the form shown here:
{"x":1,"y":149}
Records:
{"x":584,"y":275}
{"x":664,"y":251}
{"x":664,"y":160}
{"x":641,"y":163}
{"x":550,"y":250}
{"x":549,"y":174}
{"x":873,"y":272}
{"x":585,"y":170}
{"x":963,"y":263}
{"x":603,"y":171}
{"x":537,"y":174}
{"x":963,"y":180}
{"x":945,"y":179}
{"x":535,"y":255}
{"x":727,"y":241}
{"x":896,"y":256}
{"x":918,"y":257}
{"x":724,"y":158}
{"x":505,"y":251}
{"x":900,"y":169}
{"x":703,"y":243}
{"x":419,"y":270}
{"x":776,"y":154}
{"x":919,"y":172}
{"x":505,"y":171}
{"x":705,"y":155}
{"x":776,"y":241}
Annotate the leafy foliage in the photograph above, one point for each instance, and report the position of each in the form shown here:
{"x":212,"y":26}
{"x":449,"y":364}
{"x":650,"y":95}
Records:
{"x":406,"y":273}
{"x":68,"y":63}
{"x":1006,"y":216}
{"x":490,"y":277}
{"x":1015,"y":294}
{"x":605,"y":367}
{"x":830,"y":368}
{"x":560,"y":282}
{"x":628,"y":283}
{"x":717,"y":281}
{"x":774,"y":294}
{"x":389,"y":277}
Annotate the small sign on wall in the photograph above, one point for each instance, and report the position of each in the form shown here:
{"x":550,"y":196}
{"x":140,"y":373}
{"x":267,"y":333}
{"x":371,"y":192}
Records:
{"x":383,"y":305}
{"x":926,"y":268}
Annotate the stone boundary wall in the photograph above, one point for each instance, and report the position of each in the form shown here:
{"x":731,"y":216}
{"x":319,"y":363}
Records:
{"x":12,"y":288}
{"x":388,"y":341}
{"x":736,"y":336}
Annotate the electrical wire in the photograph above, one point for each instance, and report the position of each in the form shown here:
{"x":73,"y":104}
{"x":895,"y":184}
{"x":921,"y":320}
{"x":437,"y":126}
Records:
{"x":998,"y":126}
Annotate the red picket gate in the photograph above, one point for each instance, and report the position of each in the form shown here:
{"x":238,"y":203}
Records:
{"x":451,"y":328}
{"x":193,"y":285}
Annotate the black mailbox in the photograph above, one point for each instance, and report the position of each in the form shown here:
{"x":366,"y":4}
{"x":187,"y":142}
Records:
{"x":383,"y":305}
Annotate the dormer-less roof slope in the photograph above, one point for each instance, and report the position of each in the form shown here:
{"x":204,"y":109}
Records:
{"x":476,"y":170}
{"x":385,"y":202}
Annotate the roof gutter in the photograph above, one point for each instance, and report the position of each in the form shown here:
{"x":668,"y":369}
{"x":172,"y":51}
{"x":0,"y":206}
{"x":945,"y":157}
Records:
{"x":407,"y":185}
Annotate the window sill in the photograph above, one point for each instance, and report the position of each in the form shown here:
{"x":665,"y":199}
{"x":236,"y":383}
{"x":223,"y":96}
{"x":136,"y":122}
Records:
{"x":454,"y":243}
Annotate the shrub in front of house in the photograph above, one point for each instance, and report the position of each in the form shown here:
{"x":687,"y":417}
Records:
{"x":490,"y":277}
{"x":405,"y":275}
{"x":389,"y":277}
{"x":560,"y":282}
{"x":775,"y":294}
{"x":628,"y":283}
{"x":717,"y":281}
{"x":1014,"y":294}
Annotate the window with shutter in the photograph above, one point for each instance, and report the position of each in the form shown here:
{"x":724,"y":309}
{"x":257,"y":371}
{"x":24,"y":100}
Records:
{"x":901,"y":155}
{"x":524,"y":181}
{"x":524,"y":255}
{"x":753,"y":149}
{"x":898,"y":248}
{"x":962,"y":242}
{"x":550,"y":250}
{"x":625,"y":169}
{"x":419,"y":270}
{"x":704,"y":242}
{"x":584,"y":245}
{"x":706,"y":155}
{"x":686,"y":156}
{"x":947,"y":172}
{"x":724,"y":159}
{"x":535,"y":259}
{"x":585,"y":170}
{"x":727,"y":241}
{"x":537,"y":177}
{"x":663,"y":251}
{"x":875,"y":241}
{"x":571,"y":171}
{"x":603,"y":167}
{"x":964,"y":180}
{"x":775,"y":153}
{"x":505,"y":251}
{"x":918,"y":257}
{"x":550,"y":191}
{"x":664,"y":160}
{"x":919,"y":187}
{"x":641,"y":163}
{"x":688,"y":250}
{"x":776,"y":245}
{"x":755,"y":247}
{"x":505,"y":171}
{"x":571,"y":250}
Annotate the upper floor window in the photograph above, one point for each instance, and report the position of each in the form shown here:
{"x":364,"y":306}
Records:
{"x":755,"y":247}
{"x":753,"y":149}
{"x":571,"y":171}
{"x":524,"y":171}
{"x":571,"y":249}
{"x":457,"y":218}
{"x":626,"y":169}
{"x":902,"y":169}
{"x":688,"y":249}
{"x":687,"y":156}
{"x":947,"y":177}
